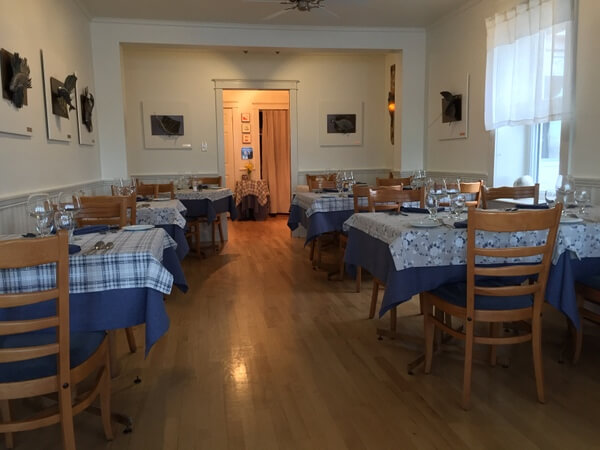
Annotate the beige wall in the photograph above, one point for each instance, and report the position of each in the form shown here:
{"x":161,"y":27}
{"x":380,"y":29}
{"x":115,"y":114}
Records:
{"x":60,"y":29}
{"x":457,"y":46}
{"x":161,"y":73}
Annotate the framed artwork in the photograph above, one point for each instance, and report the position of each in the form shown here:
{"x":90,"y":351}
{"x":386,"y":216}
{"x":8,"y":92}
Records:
{"x":85,"y":101}
{"x":340,"y":124}
{"x":451,"y":128}
{"x":246,"y":139}
{"x":16,"y":119}
{"x":164,"y":125}
{"x":245,"y":128}
{"x":245,"y":117}
{"x":59,"y":110}
{"x":247,"y":153}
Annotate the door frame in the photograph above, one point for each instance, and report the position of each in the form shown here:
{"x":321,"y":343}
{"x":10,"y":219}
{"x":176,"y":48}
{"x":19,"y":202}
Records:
{"x":272,"y":85}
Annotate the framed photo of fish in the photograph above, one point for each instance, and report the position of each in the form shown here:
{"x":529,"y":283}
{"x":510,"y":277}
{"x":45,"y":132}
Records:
{"x":164,"y":125}
{"x":15,"y":84}
{"x":340,"y":124}
{"x":86,"y":117}
{"x":59,"y":98}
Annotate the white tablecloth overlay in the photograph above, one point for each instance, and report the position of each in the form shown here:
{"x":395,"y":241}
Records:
{"x":442,"y":246}
{"x":209,"y":194}
{"x":161,"y":213}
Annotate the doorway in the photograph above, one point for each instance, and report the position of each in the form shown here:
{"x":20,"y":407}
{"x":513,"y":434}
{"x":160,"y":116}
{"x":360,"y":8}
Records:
{"x":256,"y":136}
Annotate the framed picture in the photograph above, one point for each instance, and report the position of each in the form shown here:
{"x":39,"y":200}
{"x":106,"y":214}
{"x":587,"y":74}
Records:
{"x":58,"y":113}
{"x":15,"y":120}
{"x":245,"y":128}
{"x":246,"y":139}
{"x":164,"y":125}
{"x":340,"y":124}
{"x":246,"y":117}
{"x":84,"y":103}
{"x":247,"y":153}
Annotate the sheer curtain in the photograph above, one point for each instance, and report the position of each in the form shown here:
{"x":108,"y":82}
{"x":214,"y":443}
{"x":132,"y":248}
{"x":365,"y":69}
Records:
{"x":276,"y":158}
{"x":529,"y":64}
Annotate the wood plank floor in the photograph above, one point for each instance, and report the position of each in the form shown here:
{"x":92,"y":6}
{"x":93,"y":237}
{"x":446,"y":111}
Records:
{"x":265,"y":353}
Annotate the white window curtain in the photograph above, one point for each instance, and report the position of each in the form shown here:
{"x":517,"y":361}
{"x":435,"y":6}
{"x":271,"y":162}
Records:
{"x":529,"y":64}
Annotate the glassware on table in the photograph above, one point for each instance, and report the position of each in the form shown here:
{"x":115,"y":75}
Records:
{"x":339,"y":182}
{"x":565,"y":191}
{"x":40,"y":207}
{"x":64,"y":220}
{"x":431,"y":203}
{"x":583,"y":199}
{"x":457,"y":205}
{"x":550,"y":197}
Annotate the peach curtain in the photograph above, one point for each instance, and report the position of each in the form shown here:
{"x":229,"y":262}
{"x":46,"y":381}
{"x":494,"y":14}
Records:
{"x":276,"y":158}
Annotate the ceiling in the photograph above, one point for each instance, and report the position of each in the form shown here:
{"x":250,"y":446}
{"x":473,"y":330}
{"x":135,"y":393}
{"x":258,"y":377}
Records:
{"x":344,"y":13}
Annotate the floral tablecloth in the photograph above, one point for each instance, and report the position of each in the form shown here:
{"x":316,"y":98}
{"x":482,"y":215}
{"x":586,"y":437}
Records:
{"x":203,"y":194}
{"x":161,"y":213}
{"x":445,"y":245}
{"x":258,"y":188}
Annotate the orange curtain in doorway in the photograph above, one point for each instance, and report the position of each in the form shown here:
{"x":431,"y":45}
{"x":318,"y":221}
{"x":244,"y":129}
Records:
{"x":276,"y":158}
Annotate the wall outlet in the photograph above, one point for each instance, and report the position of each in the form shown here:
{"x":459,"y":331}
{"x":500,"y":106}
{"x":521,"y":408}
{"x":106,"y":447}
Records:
{"x":204,"y":146}
{"x":186,"y":145}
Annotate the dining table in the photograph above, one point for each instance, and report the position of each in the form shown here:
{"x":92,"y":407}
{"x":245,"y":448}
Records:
{"x":208,"y":202}
{"x":118,"y":286}
{"x":252,"y":199}
{"x":168,"y":214}
{"x":411,"y":256}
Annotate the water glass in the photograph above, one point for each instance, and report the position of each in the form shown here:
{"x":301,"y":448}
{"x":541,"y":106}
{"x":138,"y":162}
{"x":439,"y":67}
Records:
{"x":457,"y":205}
{"x":583,"y":199}
{"x":431,"y":203}
{"x":64,"y":220}
{"x":40,"y":207}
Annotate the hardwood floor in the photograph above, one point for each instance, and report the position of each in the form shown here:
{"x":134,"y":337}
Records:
{"x":265,"y":353}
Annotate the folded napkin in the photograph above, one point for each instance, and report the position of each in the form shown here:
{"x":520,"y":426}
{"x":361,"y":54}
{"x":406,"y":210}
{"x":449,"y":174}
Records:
{"x":74,"y":249}
{"x":329,"y":190}
{"x":540,"y":206}
{"x":461,"y":224}
{"x":142,"y":199}
{"x":410,"y":209}
{"x":91,"y":229}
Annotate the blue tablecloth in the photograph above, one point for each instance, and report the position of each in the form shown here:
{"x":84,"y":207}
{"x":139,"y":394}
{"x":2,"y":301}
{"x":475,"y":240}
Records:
{"x":374,"y":256}
{"x":319,"y":222}
{"x":178,"y":235}
{"x":207,"y":208}
{"x":113,"y":309}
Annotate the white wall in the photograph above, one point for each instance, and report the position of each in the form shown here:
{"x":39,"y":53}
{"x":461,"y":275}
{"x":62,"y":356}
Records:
{"x":107,"y":37}
{"x":59,"y":28}
{"x":457,"y":46}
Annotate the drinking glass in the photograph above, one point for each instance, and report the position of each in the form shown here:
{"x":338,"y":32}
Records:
{"x":64,"y":220}
{"x":550,"y":197}
{"x":565,"y":189}
{"x":457,"y":205}
{"x":339,"y":182}
{"x":39,"y":206}
{"x":68,"y":202}
{"x":431,"y":203}
{"x":583,"y":198}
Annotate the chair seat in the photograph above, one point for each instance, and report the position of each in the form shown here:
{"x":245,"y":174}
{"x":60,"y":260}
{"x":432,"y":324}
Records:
{"x":83,"y":345}
{"x":456,"y":294}
{"x":593,"y":282}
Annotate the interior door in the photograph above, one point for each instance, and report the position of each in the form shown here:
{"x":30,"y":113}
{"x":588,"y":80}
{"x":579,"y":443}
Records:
{"x":229,"y":148}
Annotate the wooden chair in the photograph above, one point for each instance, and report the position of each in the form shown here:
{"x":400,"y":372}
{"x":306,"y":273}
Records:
{"x":393,"y":181}
{"x":496,"y":300}
{"x":327,"y":184}
{"x":107,"y":210}
{"x":155,"y":189}
{"x":511,"y":192}
{"x":164,"y":188}
{"x":588,"y":290}
{"x":195,"y":223}
{"x":103,"y":210}
{"x":381,"y":200}
{"x":311,"y":179}
{"x":473,"y":188}
{"x":131,"y":205}
{"x":34,"y":362}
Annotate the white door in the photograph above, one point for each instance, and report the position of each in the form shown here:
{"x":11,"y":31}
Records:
{"x":229,"y":148}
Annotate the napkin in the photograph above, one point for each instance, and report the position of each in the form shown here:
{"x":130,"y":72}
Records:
{"x":461,"y":224}
{"x":142,"y":199}
{"x":91,"y":229}
{"x":74,"y":249}
{"x":410,"y":209}
{"x":540,"y":206}
{"x":329,"y":190}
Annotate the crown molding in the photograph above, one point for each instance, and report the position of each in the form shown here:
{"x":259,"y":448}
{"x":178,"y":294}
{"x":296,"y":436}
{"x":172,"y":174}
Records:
{"x":84,"y":9}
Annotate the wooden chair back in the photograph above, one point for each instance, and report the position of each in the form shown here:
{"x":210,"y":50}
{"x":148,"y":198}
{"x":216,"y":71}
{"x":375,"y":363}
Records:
{"x":326,"y":184}
{"x":169,"y":188}
{"x":536,"y":272}
{"x":103,"y":210}
{"x":511,"y":192}
{"x":361,"y":191}
{"x":393,"y":181}
{"x":386,"y":199}
{"x":206,"y":180}
{"x":325,"y":176}
{"x":131,"y":205}
{"x":147,"y":190}
{"x":474,"y":188}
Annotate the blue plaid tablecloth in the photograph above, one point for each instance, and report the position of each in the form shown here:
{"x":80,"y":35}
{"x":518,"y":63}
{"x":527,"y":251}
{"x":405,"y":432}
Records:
{"x":135,"y":261}
{"x":328,"y":202}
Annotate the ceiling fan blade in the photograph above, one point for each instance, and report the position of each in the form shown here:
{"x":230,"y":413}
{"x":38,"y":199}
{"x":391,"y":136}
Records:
{"x":276,"y":14}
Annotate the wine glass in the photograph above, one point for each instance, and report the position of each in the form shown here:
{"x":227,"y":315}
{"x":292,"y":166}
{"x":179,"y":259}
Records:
{"x":550,"y":197}
{"x":583,"y":198}
{"x":431,"y":203}
{"x":39,"y":206}
{"x":339,"y":182}
{"x":64,"y":220}
{"x":68,"y":202}
{"x":565,"y":189}
{"x":457,"y":205}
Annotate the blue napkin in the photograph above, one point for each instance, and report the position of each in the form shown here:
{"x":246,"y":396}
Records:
{"x":142,"y":199}
{"x":329,"y":190}
{"x":91,"y":229}
{"x":540,"y":206}
{"x":74,"y":249}
{"x":461,"y":224}
{"x":410,"y":209}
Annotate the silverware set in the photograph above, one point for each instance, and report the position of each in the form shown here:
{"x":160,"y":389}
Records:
{"x":100,"y":246}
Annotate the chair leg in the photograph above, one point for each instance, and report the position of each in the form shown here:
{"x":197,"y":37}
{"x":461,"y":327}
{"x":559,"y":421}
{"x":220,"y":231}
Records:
{"x":342,"y":265}
{"x":312,"y":250}
{"x":66,"y":417}
{"x":536,"y":343}
{"x":577,"y":335}
{"x":105,"y":392}
{"x":429,"y":331}
{"x":374,"y":294}
{"x":469,"y":338}
{"x":393,"y":319}
{"x":358,"y":278}
{"x":131,"y":339}
{"x":5,"y":414}
{"x":220,"y":225}
{"x":213,"y":234}
{"x":197,"y":230}
{"x":495,"y":328}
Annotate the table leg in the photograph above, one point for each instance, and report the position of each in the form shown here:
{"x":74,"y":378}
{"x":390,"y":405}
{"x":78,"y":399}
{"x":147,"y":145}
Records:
{"x":115,"y":366}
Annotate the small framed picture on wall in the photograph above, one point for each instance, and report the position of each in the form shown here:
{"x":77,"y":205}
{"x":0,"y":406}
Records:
{"x":246,"y":117}
{"x":245,"y":128}
{"x":246,"y":139}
